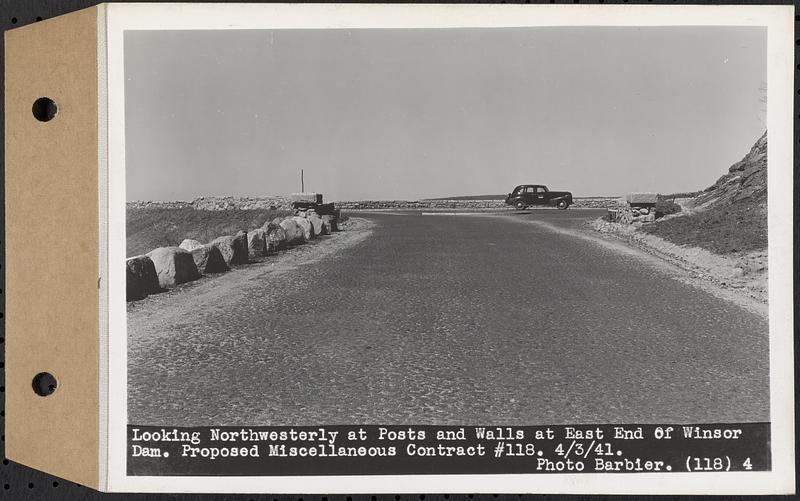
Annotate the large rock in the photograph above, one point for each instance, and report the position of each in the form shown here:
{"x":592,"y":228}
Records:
{"x":326,"y":209}
{"x":240,"y":241}
{"x":256,"y":243}
{"x":294,"y":233}
{"x":305,"y":225}
{"x":275,"y":237}
{"x":190,"y":245}
{"x":316,"y":223}
{"x":641,"y":198}
{"x":174,"y":266}
{"x":307,"y":197}
{"x":141,"y":278}
{"x":233,"y":248}
{"x":330,"y":222}
{"x":208,"y":259}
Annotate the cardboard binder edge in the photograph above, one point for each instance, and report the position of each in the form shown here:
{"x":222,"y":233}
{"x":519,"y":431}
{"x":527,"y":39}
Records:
{"x":52,"y":247}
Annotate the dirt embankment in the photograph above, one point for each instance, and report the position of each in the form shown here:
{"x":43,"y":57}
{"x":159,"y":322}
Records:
{"x":721,"y":235}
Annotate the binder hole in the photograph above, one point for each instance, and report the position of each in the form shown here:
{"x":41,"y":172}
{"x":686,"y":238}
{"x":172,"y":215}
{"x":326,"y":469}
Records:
{"x":13,"y":20}
{"x":44,"y":109}
{"x":38,"y":18}
{"x":44,"y":384}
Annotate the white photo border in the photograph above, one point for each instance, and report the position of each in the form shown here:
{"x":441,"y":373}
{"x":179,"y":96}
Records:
{"x":115,"y":19}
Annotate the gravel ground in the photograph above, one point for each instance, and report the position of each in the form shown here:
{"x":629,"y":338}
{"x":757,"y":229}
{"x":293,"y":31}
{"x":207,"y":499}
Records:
{"x":448,"y":319}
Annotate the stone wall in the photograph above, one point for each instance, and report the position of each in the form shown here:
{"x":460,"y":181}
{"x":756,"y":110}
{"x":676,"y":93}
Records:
{"x":220,"y":203}
{"x":285,"y":203}
{"x":593,"y":202}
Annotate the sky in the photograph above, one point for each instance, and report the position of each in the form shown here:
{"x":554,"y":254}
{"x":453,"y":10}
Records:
{"x":424,"y":113}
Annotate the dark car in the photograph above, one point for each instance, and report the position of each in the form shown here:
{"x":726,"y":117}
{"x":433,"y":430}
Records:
{"x":525,"y":195}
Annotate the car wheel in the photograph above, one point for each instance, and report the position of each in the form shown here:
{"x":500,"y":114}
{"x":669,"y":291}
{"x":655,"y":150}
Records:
{"x":562,"y":204}
{"x":520,"y":205}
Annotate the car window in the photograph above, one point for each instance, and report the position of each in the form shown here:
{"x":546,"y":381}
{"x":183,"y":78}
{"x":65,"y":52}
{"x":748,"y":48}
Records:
{"x":529,"y":189}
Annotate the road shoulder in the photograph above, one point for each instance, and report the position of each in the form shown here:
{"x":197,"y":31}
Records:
{"x":714,"y":276}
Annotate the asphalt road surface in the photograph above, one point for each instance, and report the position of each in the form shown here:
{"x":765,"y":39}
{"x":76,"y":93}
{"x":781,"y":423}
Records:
{"x":451,"y":319}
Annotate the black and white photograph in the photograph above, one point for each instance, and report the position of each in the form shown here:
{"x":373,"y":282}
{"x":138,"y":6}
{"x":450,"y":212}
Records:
{"x":437,"y":234}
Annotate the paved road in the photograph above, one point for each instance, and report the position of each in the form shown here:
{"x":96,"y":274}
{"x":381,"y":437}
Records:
{"x":457,"y":320}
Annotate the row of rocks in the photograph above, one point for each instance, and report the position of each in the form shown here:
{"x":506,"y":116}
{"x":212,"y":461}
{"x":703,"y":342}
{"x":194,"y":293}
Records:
{"x":630,"y":215}
{"x":166,"y":267}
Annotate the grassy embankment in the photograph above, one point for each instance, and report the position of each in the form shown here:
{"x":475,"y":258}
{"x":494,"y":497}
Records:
{"x":150,"y":228}
{"x":729,"y":217}
{"x":723,"y":230}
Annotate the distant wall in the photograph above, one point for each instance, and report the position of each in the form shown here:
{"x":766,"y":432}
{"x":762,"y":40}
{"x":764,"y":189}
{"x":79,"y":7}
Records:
{"x":220,"y":203}
{"x":285,"y":203}
{"x":594,"y":202}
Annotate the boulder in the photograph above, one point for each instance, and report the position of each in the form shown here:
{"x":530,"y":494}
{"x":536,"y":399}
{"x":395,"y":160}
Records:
{"x":226,"y":247}
{"x":208,"y":259}
{"x":294,"y":233}
{"x":316,"y":223}
{"x":326,"y":209}
{"x":305,"y":225}
{"x":141,"y":278}
{"x":641,"y":198}
{"x":233,"y":249}
{"x":330,"y":222}
{"x":240,"y":240}
{"x":174,"y":266}
{"x":275,"y":237}
{"x":307,"y":197}
{"x":256,"y":243}
{"x":190,"y":245}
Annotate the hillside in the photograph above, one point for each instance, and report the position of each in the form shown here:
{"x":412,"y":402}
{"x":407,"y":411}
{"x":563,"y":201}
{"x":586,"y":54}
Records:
{"x":728,"y":217}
